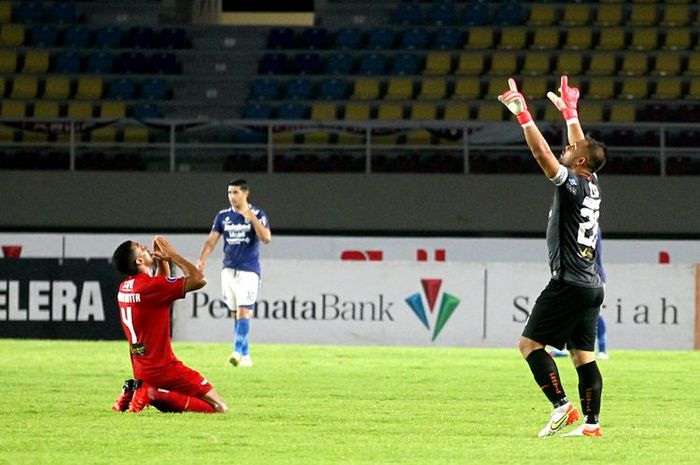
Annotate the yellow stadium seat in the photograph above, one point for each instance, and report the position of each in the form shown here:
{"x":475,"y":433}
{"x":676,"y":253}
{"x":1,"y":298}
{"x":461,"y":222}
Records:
{"x":12,"y":109}
{"x":467,"y":88}
{"x":357,"y":111}
{"x":135,"y":135}
{"x":693,"y":68}
{"x":601,"y":64}
{"x":578,"y":38}
{"x":11,"y":35}
{"x":635,"y":87}
{"x":494,"y":88}
{"x":399,"y":89}
{"x":419,"y":137}
{"x":79,"y":110}
{"x":611,"y":38}
{"x":438,"y":64}
{"x":623,"y":113}
{"x":423,"y":112}
{"x":534,"y":87}
{"x":433,"y":89}
{"x":676,"y":15}
{"x":601,"y":88}
{"x":569,"y":63}
{"x":504,"y":64}
{"x":667,"y":64}
{"x":552,"y":114}
{"x":104,"y":134}
{"x":470,"y":64}
{"x":643,"y":15}
{"x":576,"y":14}
{"x":634,"y":64}
{"x":89,"y":88}
{"x":390,"y":111}
{"x":490,"y":112}
{"x":536,"y":63}
{"x":112,"y":110}
{"x":542,"y":14}
{"x":694,"y":89}
{"x":669,"y":88}
{"x":46,"y":109}
{"x":546,"y":38}
{"x":645,"y":38}
{"x":34,"y":136}
{"x":138,"y":134}
{"x":24,"y":87}
{"x":591,"y":112}
{"x":513,"y":38}
{"x":317,"y":137}
{"x":2,"y":86}
{"x":366,"y":89}
{"x":677,"y":39}
{"x":7,"y":134}
{"x":456,"y":112}
{"x":608,"y":15}
{"x":480,"y":37}
{"x":8,"y":61}
{"x":57,"y":88}
{"x":36,"y":61}
{"x":323,"y":111}
{"x":5,"y":12}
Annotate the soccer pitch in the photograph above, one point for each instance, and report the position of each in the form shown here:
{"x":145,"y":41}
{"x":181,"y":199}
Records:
{"x":341,"y":405}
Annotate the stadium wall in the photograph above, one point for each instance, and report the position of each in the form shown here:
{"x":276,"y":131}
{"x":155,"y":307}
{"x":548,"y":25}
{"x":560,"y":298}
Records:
{"x":336,"y":203}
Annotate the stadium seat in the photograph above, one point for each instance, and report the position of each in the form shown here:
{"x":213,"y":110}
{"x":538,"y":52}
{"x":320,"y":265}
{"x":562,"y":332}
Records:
{"x":399,"y":89}
{"x":44,"y":36}
{"x":273,"y":63}
{"x":29,"y":12}
{"x":476,"y":14}
{"x":442,"y":14}
{"x":623,"y":113}
{"x":11,"y":35}
{"x":509,"y":14}
{"x":551,"y":114}
{"x":447,"y":38}
{"x":643,"y":15}
{"x":314,"y":38}
{"x":333,"y":89}
{"x":281,"y":37}
{"x":99,"y":63}
{"x":348,"y":38}
{"x":36,"y":61}
{"x":693,"y":89}
{"x":542,"y":14}
{"x":24,"y":87}
{"x":121,"y":89}
{"x":390,"y":112}
{"x":576,"y":14}
{"x":131,"y":63}
{"x":340,"y":63}
{"x":372,"y":64}
{"x":578,"y":38}
{"x":406,"y":64}
{"x":504,"y":64}
{"x":602,"y":64}
{"x":112,"y":110}
{"x":494,"y":88}
{"x":164,"y":63}
{"x":634,"y":64}
{"x":57,"y":88}
{"x":591,"y":112}
{"x":533,"y":87}
{"x":608,"y":15}
{"x":470,"y":64}
{"x":299,"y":89}
{"x":545,"y":38}
{"x":173,"y":38}
{"x":601,"y":88}
{"x":104,"y":134}
{"x":143,"y":111}
{"x":693,"y":66}
{"x":67,"y":63}
{"x":63,"y":13}
{"x":408,"y":14}
{"x":644,"y":39}
{"x":667,"y":64}
{"x":456,"y":111}
{"x":3,"y":86}
{"x":366,"y":89}
{"x":675,"y":15}
{"x":536,"y":63}
{"x":569,"y":63}
{"x":307,"y":63}
{"x":292,"y":110}
{"x":357,"y":111}
{"x":89,"y":88}
{"x":265,"y":89}
{"x":79,"y":110}
{"x":154,"y":89}
{"x":324,"y":111}
{"x":5,"y":11}
{"x":108,"y":37}
{"x":490,"y":112}
{"x":480,"y":38}
{"x":140,"y":37}
{"x":380,"y":39}
{"x":677,"y":39}
{"x":44,"y":109}
{"x":433,"y":89}
{"x":8,"y":61}
{"x":13,"y":109}
{"x":611,"y":38}
{"x":414,"y":39}
{"x":438,"y":64}
{"x":668,"y":88}
{"x":136,"y":134}
{"x":467,"y":89}
{"x":513,"y":38}
{"x":634,"y":88}
{"x":256,"y":110}
{"x":76,"y":36}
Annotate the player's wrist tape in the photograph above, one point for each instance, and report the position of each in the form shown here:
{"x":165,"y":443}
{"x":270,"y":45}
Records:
{"x":570,"y":114}
{"x":572,"y":121}
{"x":525,"y":119}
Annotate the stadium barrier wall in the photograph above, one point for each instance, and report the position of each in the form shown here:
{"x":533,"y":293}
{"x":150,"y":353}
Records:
{"x":436,"y":304}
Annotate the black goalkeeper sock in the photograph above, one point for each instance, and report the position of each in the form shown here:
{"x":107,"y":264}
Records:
{"x":590,"y":390}
{"x":547,"y":376}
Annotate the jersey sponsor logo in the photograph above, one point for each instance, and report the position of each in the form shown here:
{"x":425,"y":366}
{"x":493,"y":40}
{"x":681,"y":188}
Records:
{"x":448,"y":304}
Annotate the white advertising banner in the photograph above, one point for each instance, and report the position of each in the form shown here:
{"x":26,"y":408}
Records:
{"x":436,"y":304}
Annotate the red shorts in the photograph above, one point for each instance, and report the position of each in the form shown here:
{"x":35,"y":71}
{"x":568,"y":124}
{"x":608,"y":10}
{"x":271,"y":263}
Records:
{"x":180,"y":378}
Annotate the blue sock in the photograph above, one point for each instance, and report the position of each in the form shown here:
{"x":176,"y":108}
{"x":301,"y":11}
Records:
{"x":241,"y":340}
{"x":602,"y":335}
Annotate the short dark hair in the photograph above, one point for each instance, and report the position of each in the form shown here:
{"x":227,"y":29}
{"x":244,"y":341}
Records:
{"x":123,"y":259}
{"x":239,"y":182}
{"x":597,"y":152}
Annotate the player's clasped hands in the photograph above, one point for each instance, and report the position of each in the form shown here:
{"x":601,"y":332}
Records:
{"x":162,"y":249}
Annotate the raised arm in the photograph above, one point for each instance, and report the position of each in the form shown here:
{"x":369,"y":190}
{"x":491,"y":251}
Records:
{"x":567,"y":103}
{"x":195,"y":277}
{"x":207,"y":248}
{"x":515,"y":102}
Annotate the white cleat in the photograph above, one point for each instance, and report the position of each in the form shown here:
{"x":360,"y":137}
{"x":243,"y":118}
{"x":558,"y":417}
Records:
{"x":592,"y":431}
{"x":235,"y":359}
{"x":246,"y":362}
{"x":561,"y":417}
{"x":602,"y":356}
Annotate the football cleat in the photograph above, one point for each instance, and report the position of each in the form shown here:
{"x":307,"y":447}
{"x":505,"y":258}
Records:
{"x":561,"y":417}
{"x":142,"y":398}
{"x":246,"y":362}
{"x":602,"y":356}
{"x":235,"y":359}
{"x":586,"y":429}
{"x":121,"y":403}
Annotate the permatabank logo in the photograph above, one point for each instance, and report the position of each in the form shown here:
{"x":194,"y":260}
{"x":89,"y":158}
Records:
{"x":448,"y":304}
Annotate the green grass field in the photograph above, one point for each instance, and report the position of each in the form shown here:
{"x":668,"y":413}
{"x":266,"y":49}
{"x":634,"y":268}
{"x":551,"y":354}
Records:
{"x":332,"y":405}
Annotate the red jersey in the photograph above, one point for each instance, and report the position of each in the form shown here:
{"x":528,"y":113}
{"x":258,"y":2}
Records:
{"x":144,"y":307}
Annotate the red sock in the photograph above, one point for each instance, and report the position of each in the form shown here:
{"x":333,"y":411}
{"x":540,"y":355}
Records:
{"x":172,"y":401}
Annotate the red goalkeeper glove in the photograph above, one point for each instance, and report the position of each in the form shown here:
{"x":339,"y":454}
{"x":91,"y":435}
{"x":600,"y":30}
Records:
{"x":567,"y":102}
{"x":515,"y":102}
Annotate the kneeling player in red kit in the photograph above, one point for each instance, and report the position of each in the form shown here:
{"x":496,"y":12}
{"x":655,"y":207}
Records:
{"x":145,"y":300}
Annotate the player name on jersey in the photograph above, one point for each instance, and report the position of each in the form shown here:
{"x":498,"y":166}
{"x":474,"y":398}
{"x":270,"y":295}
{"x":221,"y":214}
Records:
{"x":44,"y":300}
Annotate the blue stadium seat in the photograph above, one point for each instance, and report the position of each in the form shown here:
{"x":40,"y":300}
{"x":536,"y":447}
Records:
{"x":63,"y":12}
{"x":121,"y":89}
{"x":67,"y":62}
{"x":99,"y":63}
{"x":255,"y":110}
{"x":408,"y":14}
{"x":154,"y":89}
{"x":292,"y":110}
{"x":307,"y":63}
{"x":146,"y":110}
{"x":476,"y":14}
{"x":29,"y":12}
{"x":448,"y":38}
{"x":406,"y":64}
{"x":165,"y":63}
{"x":44,"y":36}
{"x":140,"y":37}
{"x":108,"y":37}
{"x":340,"y":63}
{"x":372,"y":64}
{"x":131,"y":62}
{"x":173,"y":38}
{"x":281,"y":37}
{"x":314,"y":38}
{"x":273,"y":63}
{"x":348,"y":38}
{"x":442,"y":14}
{"x":381,"y":39}
{"x":415,"y":39}
{"x":76,"y":37}
{"x":299,"y":89}
{"x":265,"y":89}
{"x":333,"y":89}
{"x":510,"y":14}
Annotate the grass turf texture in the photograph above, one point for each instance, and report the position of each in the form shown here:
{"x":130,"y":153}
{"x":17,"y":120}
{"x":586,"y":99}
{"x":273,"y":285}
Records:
{"x":327,"y":405}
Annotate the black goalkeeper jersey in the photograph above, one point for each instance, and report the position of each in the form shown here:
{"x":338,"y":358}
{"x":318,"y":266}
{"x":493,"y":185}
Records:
{"x":572,"y":229}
